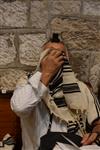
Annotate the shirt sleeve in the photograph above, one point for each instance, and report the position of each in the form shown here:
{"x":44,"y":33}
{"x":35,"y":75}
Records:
{"x":93,"y":111}
{"x":28,"y":95}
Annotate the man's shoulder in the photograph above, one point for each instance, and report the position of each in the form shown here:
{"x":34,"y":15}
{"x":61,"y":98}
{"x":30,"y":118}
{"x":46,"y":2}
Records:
{"x":84,"y":85}
{"x":81,"y":82}
{"x":23,"y":79}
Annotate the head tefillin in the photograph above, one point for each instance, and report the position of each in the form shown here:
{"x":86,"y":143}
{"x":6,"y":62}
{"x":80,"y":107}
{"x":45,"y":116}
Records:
{"x":55,"y":38}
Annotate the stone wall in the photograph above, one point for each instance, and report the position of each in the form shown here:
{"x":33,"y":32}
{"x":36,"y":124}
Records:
{"x":26,"y":24}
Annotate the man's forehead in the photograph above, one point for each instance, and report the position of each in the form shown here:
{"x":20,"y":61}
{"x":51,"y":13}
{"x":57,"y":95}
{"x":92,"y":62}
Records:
{"x":54,"y":45}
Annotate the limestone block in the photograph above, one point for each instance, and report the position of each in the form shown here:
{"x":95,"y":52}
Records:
{"x":95,"y":58}
{"x":77,"y":34}
{"x":30,"y":47}
{"x":94,"y":73}
{"x":39,"y":14}
{"x":9,"y":78}
{"x":65,"y":7}
{"x":7,"y":49}
{"x":94,"y":77}
{"x":91,"y":7}
{"x":80,"y":63}
{"x":13,"y":14}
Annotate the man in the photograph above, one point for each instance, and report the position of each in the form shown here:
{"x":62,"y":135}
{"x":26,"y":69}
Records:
{"x":52,"y":104}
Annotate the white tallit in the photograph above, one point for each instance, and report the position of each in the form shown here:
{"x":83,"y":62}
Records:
{"x":70,"y":90}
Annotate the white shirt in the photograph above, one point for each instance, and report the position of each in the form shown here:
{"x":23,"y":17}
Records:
{"x":27,"y":104}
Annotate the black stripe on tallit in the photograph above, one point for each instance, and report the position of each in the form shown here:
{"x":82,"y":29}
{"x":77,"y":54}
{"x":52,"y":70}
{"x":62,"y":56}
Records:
{"x":66,"y":62}
{"x":60,"y":102}
{"x":67,"y":67}
{"x":70,"y":88}
{"x":97,"y":108}
{"x":57,"y":75}
{"x":56,"y":90}
{"x":55,"y":84}
{"x":67,"y":70}
{"x":72,"y":128}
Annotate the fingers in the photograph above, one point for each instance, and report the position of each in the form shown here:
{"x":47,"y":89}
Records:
{"x":89,"y":138}
{"x":85,"y":138}
{"x":56,"y":53}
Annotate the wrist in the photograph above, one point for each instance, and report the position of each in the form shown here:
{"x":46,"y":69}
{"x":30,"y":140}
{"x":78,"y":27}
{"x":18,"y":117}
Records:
{"x":96,"y":129}
{"x":45,"y":78}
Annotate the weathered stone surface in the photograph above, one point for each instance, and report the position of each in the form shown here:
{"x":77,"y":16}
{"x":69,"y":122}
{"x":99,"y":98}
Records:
{"x":94,"y":77}
{"x":30,"y":46}
{"x":81,"y":63}
{"x":94,"y":71}
{"x":7,"y":49}
{"x":81,"y":37}
{"x":9,"y":77}
{"x":65,"y":7}
{"x":13,"y":14}
{"x":95,"y":58}
{"x":91,"y":7}
{"x":86,"y":64}
{"x":39,"y":14}
{"x":78,"y":34}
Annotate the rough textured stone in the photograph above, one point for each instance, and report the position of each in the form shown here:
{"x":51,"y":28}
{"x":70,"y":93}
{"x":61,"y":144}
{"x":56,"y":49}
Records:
{"x":95,"y":58}
{"x":81,"y":36}
{"x":77,"y":34}
{"x":81,"y":63}
{"x":9,"y":77}
{"x":39,"y":13}
{"x":94,"y":71}
{"x":85,"y":65}
{"x":65,"y":7}
{"x":94,"y":78}
{"x":13,"y":13}
{"x":30,"y":46}
{"x":91,"y":7}
{"x":7,"y":49}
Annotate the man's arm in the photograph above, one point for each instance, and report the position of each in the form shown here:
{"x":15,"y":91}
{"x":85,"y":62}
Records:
{"x":93,"y":117}
{"x":28,"y":95}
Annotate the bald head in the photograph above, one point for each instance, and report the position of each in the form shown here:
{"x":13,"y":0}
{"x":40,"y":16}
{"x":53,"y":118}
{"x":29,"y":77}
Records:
{"x":53,"y":45}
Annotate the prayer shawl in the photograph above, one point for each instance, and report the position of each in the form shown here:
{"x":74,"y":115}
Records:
{"x":65,"y":92}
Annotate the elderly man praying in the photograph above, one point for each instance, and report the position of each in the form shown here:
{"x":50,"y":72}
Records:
{"x":54,"y":106}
